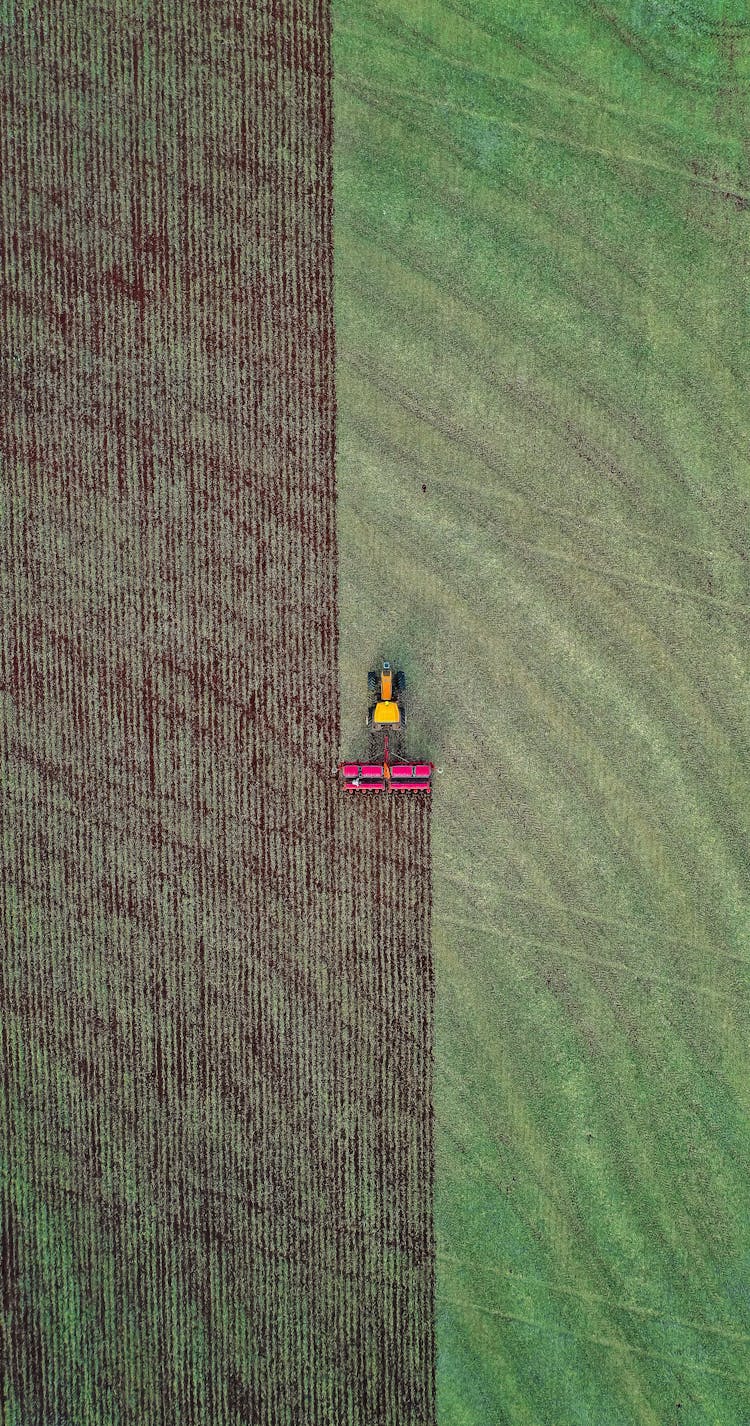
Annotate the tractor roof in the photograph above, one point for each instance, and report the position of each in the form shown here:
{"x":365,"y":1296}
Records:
{"x":386,"y":711}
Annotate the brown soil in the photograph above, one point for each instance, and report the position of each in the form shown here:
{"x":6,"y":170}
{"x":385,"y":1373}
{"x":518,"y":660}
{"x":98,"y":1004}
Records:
{"x":218,"y":999}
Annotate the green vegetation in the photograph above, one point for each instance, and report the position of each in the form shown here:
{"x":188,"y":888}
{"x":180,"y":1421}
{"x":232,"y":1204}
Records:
{"x":542,"y":316}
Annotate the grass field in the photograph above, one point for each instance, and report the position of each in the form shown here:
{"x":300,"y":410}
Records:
{"x":216,"y":989}
{"x":542,"y":306}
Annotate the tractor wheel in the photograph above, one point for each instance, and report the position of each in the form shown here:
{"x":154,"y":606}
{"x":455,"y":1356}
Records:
{"x":402,"y":719}
{"x":370,"y":712}
{"x":372,"y":681}
{"x":400,"y":681}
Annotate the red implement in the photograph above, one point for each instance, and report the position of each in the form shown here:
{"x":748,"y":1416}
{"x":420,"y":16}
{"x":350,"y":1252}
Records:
{"x":381,"y":777}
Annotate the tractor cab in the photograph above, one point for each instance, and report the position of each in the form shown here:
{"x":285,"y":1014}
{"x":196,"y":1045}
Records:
{"x":386,"y":711}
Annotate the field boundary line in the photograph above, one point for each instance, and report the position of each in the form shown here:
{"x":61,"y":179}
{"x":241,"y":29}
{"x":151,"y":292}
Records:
{"x":586,"y":915}
{"x":592,"y":1297}
{"x":551,"y":1330}
{"x":623,"y":966}
{"x":537,"y":86}
{"x":369,"y":94}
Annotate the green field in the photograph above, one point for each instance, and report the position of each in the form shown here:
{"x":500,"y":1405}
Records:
{"x":542,"y":222}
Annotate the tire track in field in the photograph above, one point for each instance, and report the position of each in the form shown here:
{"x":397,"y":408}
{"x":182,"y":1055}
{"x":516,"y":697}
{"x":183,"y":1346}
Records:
{"x":218,"y":1003}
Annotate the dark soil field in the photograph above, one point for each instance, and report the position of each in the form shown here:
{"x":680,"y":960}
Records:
{"x":217,"y":988}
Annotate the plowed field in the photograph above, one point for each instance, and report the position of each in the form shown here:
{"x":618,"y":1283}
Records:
{"x":217,"y":990}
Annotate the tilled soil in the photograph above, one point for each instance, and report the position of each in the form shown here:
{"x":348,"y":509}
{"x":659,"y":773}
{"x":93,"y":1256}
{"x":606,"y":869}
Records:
{"x":217,"y":997}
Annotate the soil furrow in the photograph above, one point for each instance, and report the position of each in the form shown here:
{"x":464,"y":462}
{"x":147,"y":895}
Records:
{"x":217,"y":1002}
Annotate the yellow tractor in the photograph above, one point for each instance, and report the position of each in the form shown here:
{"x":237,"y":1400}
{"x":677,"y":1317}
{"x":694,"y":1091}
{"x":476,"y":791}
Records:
{"x":386,"y":719}
{"x":388,"y":712}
